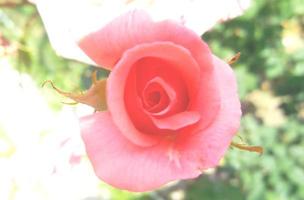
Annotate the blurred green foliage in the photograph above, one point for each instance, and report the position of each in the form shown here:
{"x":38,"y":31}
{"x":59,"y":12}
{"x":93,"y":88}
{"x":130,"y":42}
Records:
{"x":270,"y":37}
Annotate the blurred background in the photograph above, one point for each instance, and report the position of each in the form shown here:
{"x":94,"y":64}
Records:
{"x":41,"y":153}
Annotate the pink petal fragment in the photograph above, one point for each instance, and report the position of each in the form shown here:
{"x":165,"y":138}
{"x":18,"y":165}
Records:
{"x":214,"y":140}
{"x":107,"y":45}
{"x":177,"y":121}
{"x":208,"y":99}
{"x":127,"y":166}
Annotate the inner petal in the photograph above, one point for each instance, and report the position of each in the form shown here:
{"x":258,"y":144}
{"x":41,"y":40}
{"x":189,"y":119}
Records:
{"x":154,"y":97}
{"x":158,"y":97}
{"x":158,"y":74}
{"x":177,"y":121}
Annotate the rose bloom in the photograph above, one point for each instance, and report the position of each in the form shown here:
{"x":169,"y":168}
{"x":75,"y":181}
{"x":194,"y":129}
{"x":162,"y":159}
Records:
{"x":173,"y":106}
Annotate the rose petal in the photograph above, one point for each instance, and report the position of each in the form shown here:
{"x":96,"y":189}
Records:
{"x":177,"y":121}
{"x":171,"y":95}
{"x":172,"y":81}
{"x":107,"y":45}
{"x":208,"y":100}
{"x":214,"y":140}
{"x":165,"y":91}
{"x":135,"y":110}
{"x":122,"y":164}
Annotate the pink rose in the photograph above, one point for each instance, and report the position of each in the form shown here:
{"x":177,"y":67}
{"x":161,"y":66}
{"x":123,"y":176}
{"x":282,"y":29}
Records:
{"x":173,"y":106}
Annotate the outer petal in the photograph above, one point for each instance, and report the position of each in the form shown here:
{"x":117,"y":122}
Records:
{"x":107,"y":45}
{"x":213,"y":141}
{"x":124,"y":165}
